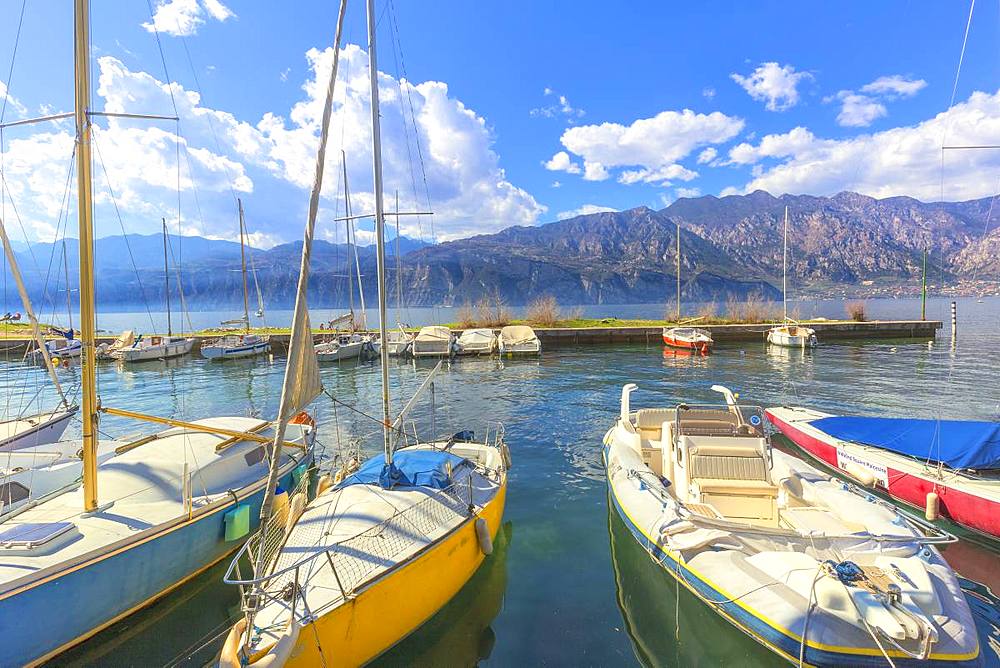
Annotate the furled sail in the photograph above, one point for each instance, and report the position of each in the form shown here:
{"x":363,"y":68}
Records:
{"x":36,"y":331}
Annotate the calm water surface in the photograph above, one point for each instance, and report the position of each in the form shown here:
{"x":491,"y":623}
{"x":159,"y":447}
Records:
{"x":567,"y":584}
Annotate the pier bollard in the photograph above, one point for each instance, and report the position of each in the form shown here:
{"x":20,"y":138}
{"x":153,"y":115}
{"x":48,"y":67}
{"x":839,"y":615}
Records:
{"x":954,"y":321}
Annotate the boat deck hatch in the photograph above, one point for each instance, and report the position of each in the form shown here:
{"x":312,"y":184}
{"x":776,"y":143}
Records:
{"x":32,"y":534}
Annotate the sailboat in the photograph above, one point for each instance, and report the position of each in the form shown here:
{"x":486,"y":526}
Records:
{"x":158,"y":347}
{"x":161,"y":510}
{"x":376,"y":554}
{"x":789,"y":334}
{"x":349,"y":344}
{"x":28,"y":431}
{"x":686,"y":338}
{"x":247,"y":344}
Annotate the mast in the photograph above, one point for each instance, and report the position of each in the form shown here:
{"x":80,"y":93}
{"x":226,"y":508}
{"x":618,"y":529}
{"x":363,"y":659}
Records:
{"x":166,"y":278}
{"x":243,"y":265}
{"x":379,"y":232}
{"x":923,"y":289}
{"x":784,"y":272}
{"x":678,"y":272}
{"x":85,"y":209}
{"x":399,"y":268}
{"x":347,"y":232}
{"x":69,"y":293}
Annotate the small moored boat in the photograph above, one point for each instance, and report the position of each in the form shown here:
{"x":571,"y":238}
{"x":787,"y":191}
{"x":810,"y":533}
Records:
{"x":946,"y":467}
{"x":234,"y":346}
{"x":688,"y":338}
{"x":433,"y":341}
{"x":476,"y":342}
{"x":792,"y":336}
{"x":518,"y":340}
{"x":818,"y":571}
{"x":38,"y":429}
{"x":156,"y":348}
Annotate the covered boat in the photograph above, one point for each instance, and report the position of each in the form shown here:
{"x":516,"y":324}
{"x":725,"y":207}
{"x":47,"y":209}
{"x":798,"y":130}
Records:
{"x":792,"y":336}
{"x":476,"y":342}
{"x":688,"y":338}
{"x":433,"y":341}
{"x":109,"y":351}
{"x":820,"y":572}
{"x":518,"y":339}
{"x":947,"y":467}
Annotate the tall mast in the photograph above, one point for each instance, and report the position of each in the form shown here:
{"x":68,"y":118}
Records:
{"x":166,"y":278}
{"x":69,"y":292}
{"x":678,"y":272}
{"x":784,"y":272}
{"x":923,"y":289}
{"x":243,"y":265}
{"x":85,"y":211}
{"x":399,"y":267}
{"x":347,"y":232}
{"x":357,"y":269}
{"x":379,"y":232}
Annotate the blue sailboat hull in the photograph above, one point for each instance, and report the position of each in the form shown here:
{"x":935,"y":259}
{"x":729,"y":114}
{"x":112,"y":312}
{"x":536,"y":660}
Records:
{"x":39,"y":622}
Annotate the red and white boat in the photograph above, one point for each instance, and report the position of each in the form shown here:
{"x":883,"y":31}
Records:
{"x":688,"y":338}
{"x":945,"y":467}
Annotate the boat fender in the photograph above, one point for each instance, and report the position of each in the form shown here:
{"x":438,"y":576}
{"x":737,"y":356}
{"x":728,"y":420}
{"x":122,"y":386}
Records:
{"x":281,"y":650}
{"x":295,"y":509}
{"x":862,"y":474}
{"x":325,"y":483}
{"x":483,"y":534}
{"x":230,"y":657}
{"x":932,"y":511}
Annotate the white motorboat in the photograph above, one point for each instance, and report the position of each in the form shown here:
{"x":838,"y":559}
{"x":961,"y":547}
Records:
{"x":821,"y":572}
{"x":688,"y":338}
{"x":518,"y":340}
{"x":433,"y":341}
{"x":156,"y":348}
{"x":476,"y":342}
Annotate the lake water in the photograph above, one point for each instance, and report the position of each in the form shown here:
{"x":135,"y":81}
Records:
{"x":567,"y":584}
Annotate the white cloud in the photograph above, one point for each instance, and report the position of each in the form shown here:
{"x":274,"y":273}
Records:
{"x":650,"y":144}
{"x":584,"y":210}
{"x":900,"y":161}
{"x":661,"y":175}
{"x":181,"y":18}
{"x":858,"y":111}
{"x":688,"y":192}
{"x":775,"y":85}
{"x":556,"y":184}
{"x":561,"y":162}
{"x":894,"y":86}
{"x":707,"y":156}
{"x":561,"y":107}
{"x":10,"y":101}
{"x":708,"y":93}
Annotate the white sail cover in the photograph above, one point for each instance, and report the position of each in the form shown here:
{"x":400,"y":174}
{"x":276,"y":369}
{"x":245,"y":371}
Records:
{"x":303,"y":368}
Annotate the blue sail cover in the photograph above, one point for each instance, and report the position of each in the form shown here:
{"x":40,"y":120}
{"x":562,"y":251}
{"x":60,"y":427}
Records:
{"x":410,"y":468}
{"x":959,"y":444}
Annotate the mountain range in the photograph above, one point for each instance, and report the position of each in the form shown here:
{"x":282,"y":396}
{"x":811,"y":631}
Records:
{"x":730,"y":247}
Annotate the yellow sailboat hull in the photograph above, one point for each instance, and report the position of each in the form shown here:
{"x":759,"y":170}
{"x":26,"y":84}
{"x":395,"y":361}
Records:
{"x":395,"y":605}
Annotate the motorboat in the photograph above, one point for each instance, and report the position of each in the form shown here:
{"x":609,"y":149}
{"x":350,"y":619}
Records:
{"x":949,"y":468}
{"x":792,"y":335}
{"x":820,"y":572}
{"x":156,"y":348}
{"x":476,"y":342}
{"x":518,"y":340}
{"x":235,"y":346}
{"x":688,"y":338}
{"x":60,"y":348}
{"x":433,"y":341}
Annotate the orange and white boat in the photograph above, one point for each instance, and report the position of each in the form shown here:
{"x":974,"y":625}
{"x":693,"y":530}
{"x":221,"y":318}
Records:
{"x":688,"y":338}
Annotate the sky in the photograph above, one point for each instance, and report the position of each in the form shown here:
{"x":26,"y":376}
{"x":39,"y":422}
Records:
{"x":493,"y":114}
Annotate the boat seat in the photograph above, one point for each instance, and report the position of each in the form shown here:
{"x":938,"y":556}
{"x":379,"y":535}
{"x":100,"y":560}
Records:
{"x":649,"y":422}
{"x":755,"y":500}
{"x":728,"y":467}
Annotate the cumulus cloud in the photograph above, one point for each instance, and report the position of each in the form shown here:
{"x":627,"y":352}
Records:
{"x":900,"y":161}
{"x":895,"y":85}
{"x":707,"y":156}
{"x":773,"y":84}
{"x":584,"y":210}
{"x":561,"y":162}
{"x":858,"y":111}
{"x":560,"y":107}
{"x":651,"y":147}
{"x":181,"y":18}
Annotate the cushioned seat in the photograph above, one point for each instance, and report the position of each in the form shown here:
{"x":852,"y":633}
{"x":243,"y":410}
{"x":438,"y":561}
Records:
{"x":754,"y":500}
{"x":749,"y":487}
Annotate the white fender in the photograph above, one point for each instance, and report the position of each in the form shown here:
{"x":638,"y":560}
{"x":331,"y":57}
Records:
{"x":862,"y":474}
{"x":932,"y":510}
{"x":325,"y":483}
{"x":230,"y":657}
{"x":483,"y":534}
{"x":294,"y":512}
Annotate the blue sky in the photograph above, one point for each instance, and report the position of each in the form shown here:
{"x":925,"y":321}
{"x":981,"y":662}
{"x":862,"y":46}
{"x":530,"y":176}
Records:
{"x":525,"y":111}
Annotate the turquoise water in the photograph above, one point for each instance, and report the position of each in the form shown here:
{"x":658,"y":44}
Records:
{"x":567,"y":585}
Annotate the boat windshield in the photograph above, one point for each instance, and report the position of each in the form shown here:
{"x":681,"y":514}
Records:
{"x":726,"y":420}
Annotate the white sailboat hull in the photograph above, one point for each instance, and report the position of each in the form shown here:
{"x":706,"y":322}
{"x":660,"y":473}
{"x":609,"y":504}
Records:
{"x":157,"y":351}
{"x":34,"y":430}
{"x":236,"y":347}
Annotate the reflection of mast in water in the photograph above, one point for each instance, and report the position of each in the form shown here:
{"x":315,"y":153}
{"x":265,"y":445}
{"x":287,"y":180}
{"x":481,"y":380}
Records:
{"x":667,"y":630}
{"x":460,"y":634}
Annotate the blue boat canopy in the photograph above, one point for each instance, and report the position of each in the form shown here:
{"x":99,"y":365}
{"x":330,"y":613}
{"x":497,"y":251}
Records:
{"x":959,"y":444}
{"x":409,"y":468}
